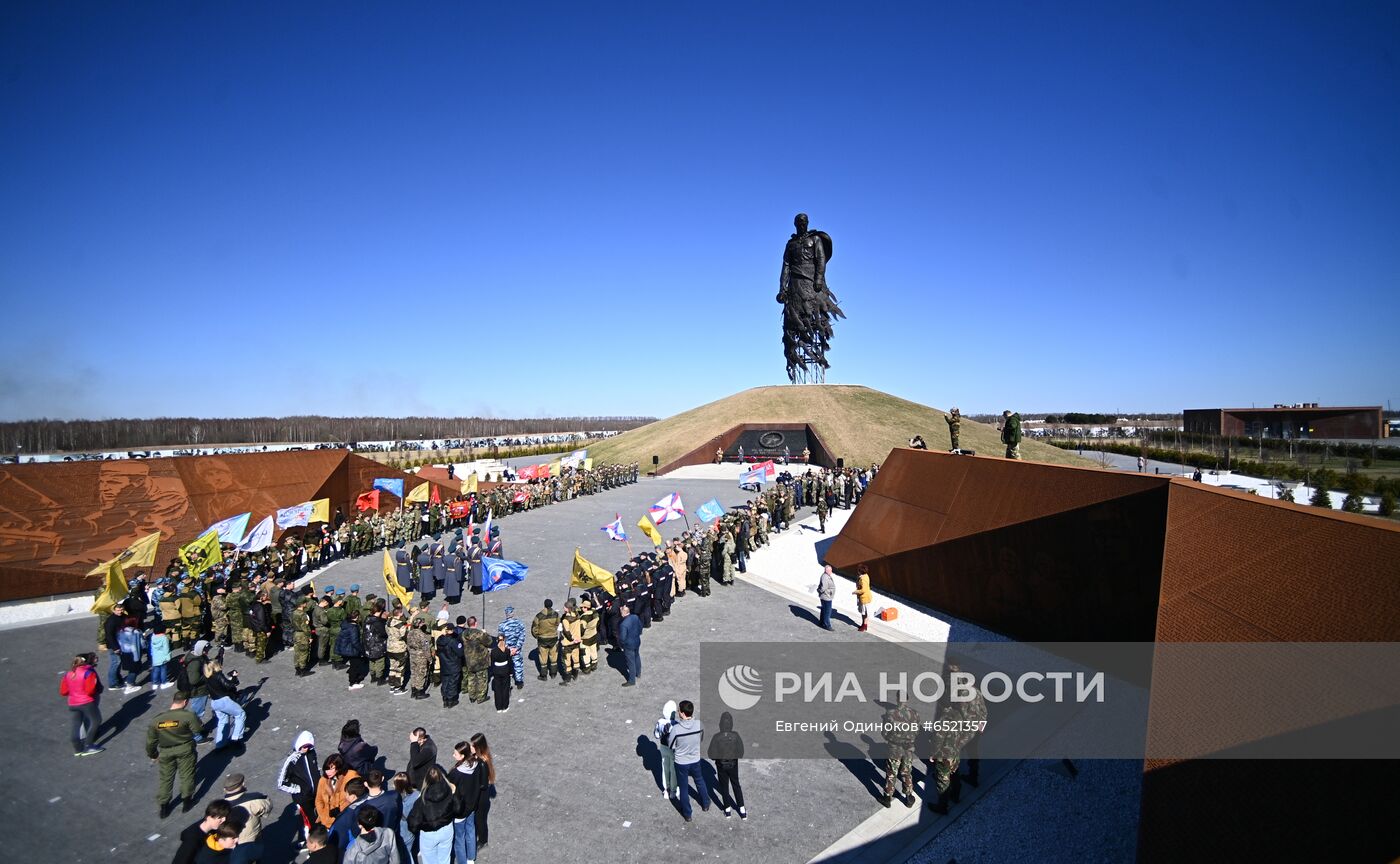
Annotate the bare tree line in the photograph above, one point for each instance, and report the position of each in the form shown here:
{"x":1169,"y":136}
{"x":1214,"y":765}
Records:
{"x":48,"y":436}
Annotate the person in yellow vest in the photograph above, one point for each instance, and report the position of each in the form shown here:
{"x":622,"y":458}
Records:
{"x":863,"y":596}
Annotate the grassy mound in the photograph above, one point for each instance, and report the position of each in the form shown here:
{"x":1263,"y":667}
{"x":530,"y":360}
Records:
{"x":856,"y":423}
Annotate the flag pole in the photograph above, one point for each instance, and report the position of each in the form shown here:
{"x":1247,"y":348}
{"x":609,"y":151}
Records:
{"x":687,"y":520}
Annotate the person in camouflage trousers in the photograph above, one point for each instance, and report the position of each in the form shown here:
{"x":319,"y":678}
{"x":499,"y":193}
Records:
{"x":545,"y":629}
{"x":1011,"y":434}
{"x":588,"y":636}
{"x":949,"y":745}
{"x":397,"y":646}
{"x":476,"y":645}
{"x":570,"y":640}
{"x":301,"y":636}
{"x":954,"y":419}
{"x":420,"y":657}
{"x":218,"y":613}
{"x":901,"y":730}
{"x":237,"y":608}
{"x":514,"y":630}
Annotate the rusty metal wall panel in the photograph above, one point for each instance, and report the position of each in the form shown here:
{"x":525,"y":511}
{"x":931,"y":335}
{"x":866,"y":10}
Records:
{"x":922,"y":497}
{"x":1087,"y":574}
{"x":1241,"y":568}
{"x":57,"y":521}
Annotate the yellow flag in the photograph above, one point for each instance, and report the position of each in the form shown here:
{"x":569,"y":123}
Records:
{"x":650,"y":530}
{"x":469,"y":484}
{"x":142,"y":553}
{"x":113,"y":592}
{"x":585,"y":574}
{"x":419,"y":494}
{"x":555,"y":468}
{"x":208,"y":545}
{"x":588,"y":464}
{"x":391,"y":583}
{"x":320,"y":510}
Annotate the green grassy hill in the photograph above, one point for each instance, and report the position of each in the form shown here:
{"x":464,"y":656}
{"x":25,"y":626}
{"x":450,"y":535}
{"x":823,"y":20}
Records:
{"x":856,"y":423}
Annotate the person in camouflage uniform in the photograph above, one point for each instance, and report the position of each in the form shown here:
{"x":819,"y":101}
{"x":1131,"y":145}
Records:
{"x":236,"y":606}
{"x":954,"y":419}
{"x":334,"y":616}
{"x":949,"y":745}
{"x":514,"y":631}
{"x":397,"y":646}
{"x":218,"y":612}
{"x":724,"y":548}
{"x":901,"y":730}
{"x":476,"y":645}
{"x":822,"y":510}
{"x":420,"y":657}
{"x":301,"y":636}
{"x":571,"y":639}
{"x":1011,"y":434}
{"x":321,"y":629}
{"x":700,"y":576}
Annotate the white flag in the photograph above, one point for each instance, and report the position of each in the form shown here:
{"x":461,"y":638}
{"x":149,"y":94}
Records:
{"x":259,"y":538}
{"x":231,"y":529}
{"x":289,"y":517}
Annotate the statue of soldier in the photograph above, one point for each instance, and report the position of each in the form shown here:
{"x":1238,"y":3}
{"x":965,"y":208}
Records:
{"x":808,"y":305}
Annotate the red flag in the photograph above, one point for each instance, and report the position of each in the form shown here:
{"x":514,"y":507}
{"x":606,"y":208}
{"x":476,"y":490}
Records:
{"x":542,"y":471}
{"x":435,"y":497}
{"x":527,"y":473}
{"x":367,"y":501}
{"x":458,"y":509}
{"x":519,"y":496}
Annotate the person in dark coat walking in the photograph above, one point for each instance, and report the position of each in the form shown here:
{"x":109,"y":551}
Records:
{"x":350,"y":645}
{"x":726,"y":749}
{"x":451,"y":657}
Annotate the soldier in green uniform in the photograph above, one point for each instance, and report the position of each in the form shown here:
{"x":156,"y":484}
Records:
{"x":321,"y":629}
{"x":545,"y":629}
{"x":725,"y":549}
{"x":700,"y":576}
{"x":334,"y":616}
{"x":170,"y":744}
{"x":1011,"y":434}
{"x":170,"y":615}
{"x":954,"y":419}
{"x":353,"y":603}
{"x":301,"y":637}
{"x":901,"y":730}
{"x":821,"y":512}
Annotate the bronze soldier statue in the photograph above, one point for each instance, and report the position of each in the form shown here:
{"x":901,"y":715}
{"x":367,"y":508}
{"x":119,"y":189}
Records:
{"x":808,"y":305}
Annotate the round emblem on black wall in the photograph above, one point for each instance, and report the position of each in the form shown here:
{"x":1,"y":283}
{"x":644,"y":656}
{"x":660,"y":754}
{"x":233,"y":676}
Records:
{"x":771,"y":440}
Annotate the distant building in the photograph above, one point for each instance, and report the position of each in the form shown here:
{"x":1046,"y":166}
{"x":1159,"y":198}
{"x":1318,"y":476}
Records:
{"x":1304,"y":420}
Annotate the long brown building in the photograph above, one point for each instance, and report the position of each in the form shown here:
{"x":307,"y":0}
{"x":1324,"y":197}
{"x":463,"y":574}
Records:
{"x":1287,"y":421}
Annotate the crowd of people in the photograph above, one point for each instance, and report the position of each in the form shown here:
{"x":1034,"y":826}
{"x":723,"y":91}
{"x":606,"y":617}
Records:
{"x":352,"y":808}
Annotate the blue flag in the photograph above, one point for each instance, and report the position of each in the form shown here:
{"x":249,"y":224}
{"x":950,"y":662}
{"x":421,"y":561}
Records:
{"x":710,"y":510}
{"x":392,"y":485}
{"x":500,"y":573}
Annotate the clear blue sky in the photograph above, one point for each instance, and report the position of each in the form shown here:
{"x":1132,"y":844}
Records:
{"x":272,"y":208}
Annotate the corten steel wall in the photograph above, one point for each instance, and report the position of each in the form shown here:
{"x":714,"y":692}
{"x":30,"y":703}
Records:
{"x":1237,"y":568}
{"x":58,"y":521}
{"x":1038,"y":552}
{"x":705,"y":453}
{"x":1202,"y":421}
{"x":1231,"y":568}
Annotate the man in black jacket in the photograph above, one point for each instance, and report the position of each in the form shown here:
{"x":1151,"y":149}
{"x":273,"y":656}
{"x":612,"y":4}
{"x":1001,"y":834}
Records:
{"x":451,"y":657}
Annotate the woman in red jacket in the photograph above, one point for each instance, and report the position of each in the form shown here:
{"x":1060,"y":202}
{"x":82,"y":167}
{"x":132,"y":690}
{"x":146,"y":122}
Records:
{"x":82,"y":685}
